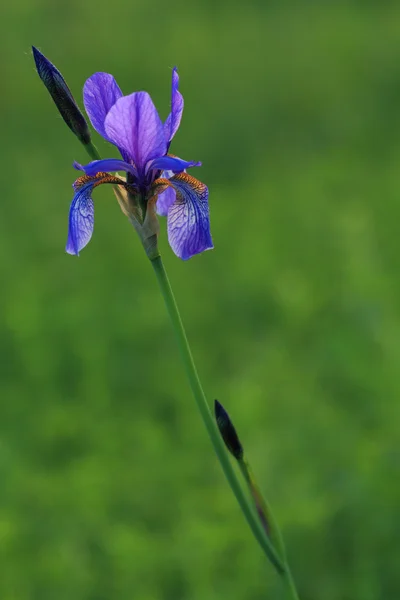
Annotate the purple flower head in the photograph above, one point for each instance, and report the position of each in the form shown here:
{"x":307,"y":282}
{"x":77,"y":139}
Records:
{"x":62,"y":97}
{"x":155,"y":180}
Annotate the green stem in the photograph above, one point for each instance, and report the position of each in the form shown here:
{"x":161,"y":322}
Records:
{"x":263,"y":508}
{"x":267,"y":516}
{"x":92,"y":151}
{"x":291,"y":584}
{"x":211,"y":427}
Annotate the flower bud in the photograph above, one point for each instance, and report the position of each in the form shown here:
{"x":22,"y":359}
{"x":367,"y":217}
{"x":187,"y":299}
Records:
{"x":63,"y":99}
{"x":227,"y":431}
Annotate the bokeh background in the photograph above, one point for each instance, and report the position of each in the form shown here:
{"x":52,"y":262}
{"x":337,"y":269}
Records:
{"x":109,"y":488}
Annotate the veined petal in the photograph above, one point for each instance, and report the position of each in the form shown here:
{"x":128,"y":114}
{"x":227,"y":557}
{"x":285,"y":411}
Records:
{"x":107,"y":164}
{"x":81,"y":220}
{"x":81,"y":212}
{"x":188,"y":218}
{"x":134,"y":125}
{"x":100,"y":93}
{"x":171,"y":163}
{"x":172,"y":123}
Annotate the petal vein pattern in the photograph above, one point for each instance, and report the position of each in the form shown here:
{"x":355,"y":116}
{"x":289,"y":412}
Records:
{"x":100,"y":93}
{"x":188,"y":218}
{"x":81,"y":212}
{"x":134,"y":125}
{"x":81,"y":220}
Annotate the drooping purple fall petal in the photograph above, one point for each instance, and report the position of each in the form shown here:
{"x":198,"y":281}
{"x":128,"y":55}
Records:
{"x":188,"y":218}
{"x":134,"y":125}
{"x":81,"y":220}
{"x":81,"y":212}
{"x":172,"y":123}
{"x":100,"y":93}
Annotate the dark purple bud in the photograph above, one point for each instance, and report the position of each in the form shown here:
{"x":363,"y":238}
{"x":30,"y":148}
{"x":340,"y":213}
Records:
{"x":227,"y":431}
{"x":64,"y":100}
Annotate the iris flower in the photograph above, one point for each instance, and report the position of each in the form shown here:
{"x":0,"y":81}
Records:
{"x":155,"y":181}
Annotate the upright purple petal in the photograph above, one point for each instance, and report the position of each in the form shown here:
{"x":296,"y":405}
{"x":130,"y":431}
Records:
{"x":188,"y":218}
{"x":134,"y":125}
{"x":81,"y":219}
{"x":172,"y":123}
{"x":171,"y":163}
{"x":100,"y":93}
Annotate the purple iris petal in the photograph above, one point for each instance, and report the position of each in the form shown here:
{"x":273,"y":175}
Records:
{"x":188,"y":218}
{"x":172,"y":123}
{"x":107,"y":164}
{"x":100,"y":93}
{"x":81,"y":219}
{"x":134,"y":125}
{"x":172,"y":163}
{"x":166,"y":198}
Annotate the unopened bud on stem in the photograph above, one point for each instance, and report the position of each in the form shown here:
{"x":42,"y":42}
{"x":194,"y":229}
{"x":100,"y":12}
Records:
{"x":227,"y":431}
{"x":61,"y":94}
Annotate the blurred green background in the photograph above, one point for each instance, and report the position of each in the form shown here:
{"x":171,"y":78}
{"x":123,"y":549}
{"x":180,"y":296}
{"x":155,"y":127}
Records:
{"x":109,"y":488}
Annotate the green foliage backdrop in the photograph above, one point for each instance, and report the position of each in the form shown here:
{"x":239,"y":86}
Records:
{"x":109,"y":487}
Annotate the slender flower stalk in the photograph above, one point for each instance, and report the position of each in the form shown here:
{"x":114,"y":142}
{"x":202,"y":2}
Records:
{"x":155,"y":183}
{"x":230,"y":437}
{"x":208,"y":420}
{"x":231,"y":440}
{"x":202,"y":404}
